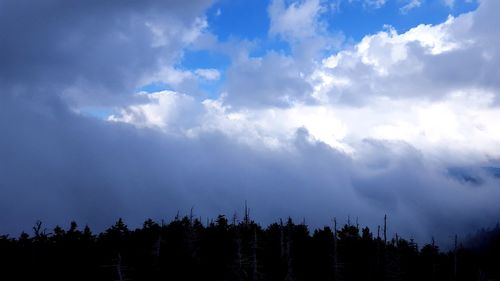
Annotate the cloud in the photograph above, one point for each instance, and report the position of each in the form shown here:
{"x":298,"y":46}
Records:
{"x":165,"y":110}
{"x":428,"y":62}
{"x":449,"y":3}
{"x":300,"y":24}
{"x":376,"y":4}
{"x":208,"y":74}
{"x":463,"y":119}
{"x":412,"y":4}
{"x":387,"y":107}
{"x":86,"y":51}
{"x":123,"y":171}
{"x":274,"y":79}
{"x":296,"y":21}
{"x":369,"y":130}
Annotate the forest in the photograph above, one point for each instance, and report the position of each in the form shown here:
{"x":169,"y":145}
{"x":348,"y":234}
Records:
{"x":232,"y":249}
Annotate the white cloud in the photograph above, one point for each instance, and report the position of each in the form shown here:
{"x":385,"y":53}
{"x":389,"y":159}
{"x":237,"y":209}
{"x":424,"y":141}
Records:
{"x":375,"y":3}
{"x":168,"y":75}
{"x":412,"y":4}
{"x":163,"y":33}
{"x":436,"y":39}
{"x":297,"y":21}
{"x":398,"y":65}
{"x":449,"y":3}
{"x":165,"y":111}
{"x":459,"y":129}
{"x":335,"y":6}
{"x":208,"y":73}
{"x":385,"y":78}
{"x":300,"y":24}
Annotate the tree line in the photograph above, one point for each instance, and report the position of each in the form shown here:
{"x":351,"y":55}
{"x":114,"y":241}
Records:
{"x":229,"y":249}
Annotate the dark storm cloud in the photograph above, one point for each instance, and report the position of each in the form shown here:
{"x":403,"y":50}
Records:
{"x":58,"y":167}
{"x":91,"y":49}
{"x":55,"y":54}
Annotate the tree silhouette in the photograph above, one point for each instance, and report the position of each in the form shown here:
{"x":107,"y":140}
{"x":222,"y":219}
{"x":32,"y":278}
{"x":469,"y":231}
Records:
{"x":185,"y":249}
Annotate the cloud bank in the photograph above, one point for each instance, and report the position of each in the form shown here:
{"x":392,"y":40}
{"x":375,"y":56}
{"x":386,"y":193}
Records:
{"x":370,"y":129}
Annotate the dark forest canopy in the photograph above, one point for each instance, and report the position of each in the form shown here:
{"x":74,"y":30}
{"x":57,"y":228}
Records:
{"x":228,"y":249}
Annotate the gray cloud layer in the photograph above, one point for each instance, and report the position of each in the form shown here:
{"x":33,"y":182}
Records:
{"x":58,"y":167}
{"x":89,"y":49}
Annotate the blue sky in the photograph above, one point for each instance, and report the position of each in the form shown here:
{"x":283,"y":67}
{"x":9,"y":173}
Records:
{"x":355,"y":19}
{"x":239,"y":20}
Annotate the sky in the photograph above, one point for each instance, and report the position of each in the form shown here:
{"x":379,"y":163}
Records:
{"x":311,"y":109}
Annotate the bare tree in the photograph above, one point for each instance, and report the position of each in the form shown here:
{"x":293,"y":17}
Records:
{"x":385,"y":230}
{"x":255,"y":265}
{"x":119,"y":269}
{"x":38,"y":231}
{"x":288,"y":255}
{"x":335,"y":251}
